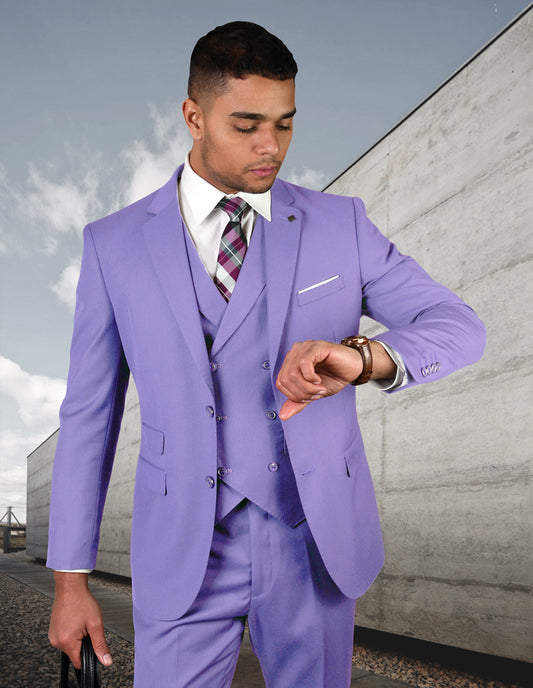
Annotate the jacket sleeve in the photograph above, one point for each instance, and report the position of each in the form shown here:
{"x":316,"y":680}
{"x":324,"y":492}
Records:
{"x":90,"y":418}
{"x":433,"y":329}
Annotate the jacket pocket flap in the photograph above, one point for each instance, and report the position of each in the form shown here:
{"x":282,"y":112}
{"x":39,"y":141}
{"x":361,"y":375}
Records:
{"x":152,"y":440}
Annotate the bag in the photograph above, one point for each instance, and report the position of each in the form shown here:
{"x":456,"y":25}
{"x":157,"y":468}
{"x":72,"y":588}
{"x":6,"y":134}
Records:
{"x":87,"y":676}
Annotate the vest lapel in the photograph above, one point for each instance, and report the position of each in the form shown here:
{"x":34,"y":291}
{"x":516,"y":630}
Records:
{"x":248,"y":288}
{"x":210,"y":301}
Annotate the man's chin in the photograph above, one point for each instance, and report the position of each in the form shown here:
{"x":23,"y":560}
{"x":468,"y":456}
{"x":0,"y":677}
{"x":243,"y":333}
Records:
{"x":260,"y":186}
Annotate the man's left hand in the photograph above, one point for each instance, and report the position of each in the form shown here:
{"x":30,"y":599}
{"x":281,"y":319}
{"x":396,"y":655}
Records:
{"x":315,"y":369}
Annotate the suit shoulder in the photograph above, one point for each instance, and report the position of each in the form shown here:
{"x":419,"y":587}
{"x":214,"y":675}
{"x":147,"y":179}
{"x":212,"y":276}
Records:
{"x":124,"y":218}
{"x":307,"y":196}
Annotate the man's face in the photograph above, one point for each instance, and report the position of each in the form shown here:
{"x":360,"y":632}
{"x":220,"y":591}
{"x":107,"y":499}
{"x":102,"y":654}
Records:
{"x":241,"y":137}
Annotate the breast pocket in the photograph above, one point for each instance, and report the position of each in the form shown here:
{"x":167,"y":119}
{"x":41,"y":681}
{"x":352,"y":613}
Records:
{"x":319,"y":290}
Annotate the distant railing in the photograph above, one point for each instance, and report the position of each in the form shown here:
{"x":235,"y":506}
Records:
{"x":14,"y":538}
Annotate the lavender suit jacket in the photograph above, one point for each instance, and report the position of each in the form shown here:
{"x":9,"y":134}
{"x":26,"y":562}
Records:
{"x":136,"y":311}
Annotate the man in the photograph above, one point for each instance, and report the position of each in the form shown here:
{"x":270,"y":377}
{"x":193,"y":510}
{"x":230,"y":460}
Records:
{"x":233,"y":299}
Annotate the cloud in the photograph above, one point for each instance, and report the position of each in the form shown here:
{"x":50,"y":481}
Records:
{"x":37,"y":399}
{"x":311,"y":179}
{"x":59,"y":206}
{"x":150,"y":166}
{"x":65,"y":287}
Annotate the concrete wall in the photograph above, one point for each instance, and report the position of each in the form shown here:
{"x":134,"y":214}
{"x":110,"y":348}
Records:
{"x":451,"y":460}
{"x":38,"y":486}
{"x":452,"y":185}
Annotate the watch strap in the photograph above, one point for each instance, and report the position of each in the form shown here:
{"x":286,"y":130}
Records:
{"x":362,"y":344}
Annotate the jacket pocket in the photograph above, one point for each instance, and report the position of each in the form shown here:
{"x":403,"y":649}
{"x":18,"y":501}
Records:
{"x":353,"y":456}
{"x":150,"y":476}
{"x":152,"y":441}
{"x":319,"y":290}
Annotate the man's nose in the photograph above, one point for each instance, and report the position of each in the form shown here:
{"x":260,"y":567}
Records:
{"x":267,"y":142}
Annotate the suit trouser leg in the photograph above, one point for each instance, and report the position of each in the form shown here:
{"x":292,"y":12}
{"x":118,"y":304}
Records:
{"x":301,"y":626}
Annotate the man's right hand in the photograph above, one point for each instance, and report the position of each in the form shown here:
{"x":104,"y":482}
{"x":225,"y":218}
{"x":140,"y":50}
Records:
{"x":75,"y":614}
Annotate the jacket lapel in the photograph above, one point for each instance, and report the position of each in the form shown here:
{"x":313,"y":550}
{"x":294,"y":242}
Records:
{"x":165,"y":240}
{"x":282,"y":240}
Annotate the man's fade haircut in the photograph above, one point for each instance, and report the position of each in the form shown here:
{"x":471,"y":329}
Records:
{"x":237,"y":50}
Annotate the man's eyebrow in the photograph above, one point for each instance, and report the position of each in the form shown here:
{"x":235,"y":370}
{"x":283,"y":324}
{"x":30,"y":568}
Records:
{"x":258,"y":116}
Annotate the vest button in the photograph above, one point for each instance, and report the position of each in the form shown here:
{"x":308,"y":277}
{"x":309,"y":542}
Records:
{"x":273,"y":467}
{"x":266,"y":365}
{"x":210,"y":411}
{"x":272,"y":415}
{"x":213,"y":366}
{"x":210,"y":481}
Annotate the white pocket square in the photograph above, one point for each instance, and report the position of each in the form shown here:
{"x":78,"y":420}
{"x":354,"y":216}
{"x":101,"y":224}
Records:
{"x":319,"y":284}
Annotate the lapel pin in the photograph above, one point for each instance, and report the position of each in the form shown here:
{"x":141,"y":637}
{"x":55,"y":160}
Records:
{"x":291,"y":218}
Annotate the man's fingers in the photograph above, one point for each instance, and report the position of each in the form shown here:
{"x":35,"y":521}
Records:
{"x":298,"y":380}
{"x":100,"y":646}
{"x":72,"y":649}
{"x":290,"y":409}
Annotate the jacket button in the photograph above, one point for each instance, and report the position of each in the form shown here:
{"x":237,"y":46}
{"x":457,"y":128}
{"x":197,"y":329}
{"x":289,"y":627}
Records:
{"x":213,"y":366}
{"x":266,"y":365}
{"x":273,"y":467}
{"x":272,"y":415}
{"x":210,"y":411}
{"x":222,"y":472}
{"x":210,"y":481}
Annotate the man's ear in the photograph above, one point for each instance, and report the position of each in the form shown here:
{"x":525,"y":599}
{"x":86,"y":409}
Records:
{"x":193,"y":116}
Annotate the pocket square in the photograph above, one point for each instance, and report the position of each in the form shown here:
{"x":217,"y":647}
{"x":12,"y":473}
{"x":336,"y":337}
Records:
{"x":319,"y":284}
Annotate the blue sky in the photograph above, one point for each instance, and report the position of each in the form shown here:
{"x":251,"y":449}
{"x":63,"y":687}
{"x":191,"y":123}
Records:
{"x":90,"y":120}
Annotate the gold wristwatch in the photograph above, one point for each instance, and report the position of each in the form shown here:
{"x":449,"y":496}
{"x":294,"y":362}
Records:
{"x":362,"y":344}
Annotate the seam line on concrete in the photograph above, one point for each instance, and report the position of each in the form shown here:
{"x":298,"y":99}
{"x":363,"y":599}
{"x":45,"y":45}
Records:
{"x":508,"y":587}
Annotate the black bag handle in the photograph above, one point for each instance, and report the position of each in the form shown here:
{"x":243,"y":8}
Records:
{"x":88,"y":675}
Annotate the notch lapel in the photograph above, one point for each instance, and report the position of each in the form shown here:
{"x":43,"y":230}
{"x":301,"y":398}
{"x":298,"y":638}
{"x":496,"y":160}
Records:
{"x":165,"y":241}
{"x":282,"y":241}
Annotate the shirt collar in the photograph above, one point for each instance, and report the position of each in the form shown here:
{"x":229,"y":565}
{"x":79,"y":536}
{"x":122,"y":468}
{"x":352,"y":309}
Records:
{"x":202,"y":196}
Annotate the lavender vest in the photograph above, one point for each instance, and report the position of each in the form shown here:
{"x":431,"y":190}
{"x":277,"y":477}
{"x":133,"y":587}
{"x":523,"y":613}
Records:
{"x":253,"y":465}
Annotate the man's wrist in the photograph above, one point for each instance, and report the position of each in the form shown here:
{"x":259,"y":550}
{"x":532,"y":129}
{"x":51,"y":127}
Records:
{"x":361,"y":344}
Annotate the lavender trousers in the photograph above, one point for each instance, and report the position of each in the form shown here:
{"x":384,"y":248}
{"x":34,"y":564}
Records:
{"x":301,"y":625}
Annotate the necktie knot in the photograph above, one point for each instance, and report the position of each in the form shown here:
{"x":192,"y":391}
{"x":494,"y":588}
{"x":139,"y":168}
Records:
{"x":234,"y":207}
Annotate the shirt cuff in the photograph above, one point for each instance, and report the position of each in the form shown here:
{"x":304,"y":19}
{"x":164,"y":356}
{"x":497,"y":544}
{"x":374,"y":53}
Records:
{"x":401,"y":377}
{"x":74,"y":570}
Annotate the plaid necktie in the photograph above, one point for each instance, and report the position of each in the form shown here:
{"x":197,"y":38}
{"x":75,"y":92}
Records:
{"x":232,"y":246}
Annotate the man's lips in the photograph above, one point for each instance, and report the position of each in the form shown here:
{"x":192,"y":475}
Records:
{"x":264,"y":171}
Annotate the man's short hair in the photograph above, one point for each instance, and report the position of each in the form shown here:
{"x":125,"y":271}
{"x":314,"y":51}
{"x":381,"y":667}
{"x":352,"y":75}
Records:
{"x":237,"y":50}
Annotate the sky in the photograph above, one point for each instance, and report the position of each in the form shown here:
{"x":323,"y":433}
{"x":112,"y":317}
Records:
{"x":91,"y":120}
